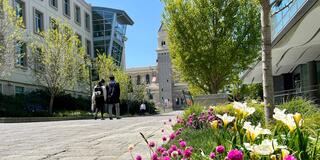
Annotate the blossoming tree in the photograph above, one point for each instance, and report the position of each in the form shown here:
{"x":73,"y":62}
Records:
{"x":59,"y":60}
{"x":11,"y":31}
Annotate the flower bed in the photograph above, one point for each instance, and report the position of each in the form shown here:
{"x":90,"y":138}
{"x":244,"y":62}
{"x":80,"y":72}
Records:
{"x":208,"y":135}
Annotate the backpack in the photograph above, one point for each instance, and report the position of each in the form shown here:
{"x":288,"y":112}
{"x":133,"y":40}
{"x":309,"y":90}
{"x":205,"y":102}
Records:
{"x":98,"y":91}
{"x":111,"y":89}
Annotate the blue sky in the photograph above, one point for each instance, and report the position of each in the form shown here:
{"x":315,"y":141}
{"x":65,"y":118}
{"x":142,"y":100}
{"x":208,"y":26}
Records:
{"x":142,"y":36}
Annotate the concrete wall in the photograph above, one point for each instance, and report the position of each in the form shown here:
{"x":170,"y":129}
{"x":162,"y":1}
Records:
{"x":211,"y":100}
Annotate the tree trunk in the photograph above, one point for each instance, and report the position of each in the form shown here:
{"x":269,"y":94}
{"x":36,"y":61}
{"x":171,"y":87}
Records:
{"x":267,"y":79}
{"x":213,"y":88}
{"x":51,"y":104}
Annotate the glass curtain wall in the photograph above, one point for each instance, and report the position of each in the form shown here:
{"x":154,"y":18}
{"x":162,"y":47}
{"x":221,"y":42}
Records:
{"x":102,"y":29}
{"x":108,"y":33}
{"x":280,"y":20}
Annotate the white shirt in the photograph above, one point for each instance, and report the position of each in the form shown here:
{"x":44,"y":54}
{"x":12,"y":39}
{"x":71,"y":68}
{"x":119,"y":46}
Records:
{"x":142,"y":106}
{"x":104,"y":93}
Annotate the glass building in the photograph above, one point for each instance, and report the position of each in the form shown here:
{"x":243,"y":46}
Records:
{"x":109,"y":30}
{"x":295,"y":51}
{"x":280,"y":20}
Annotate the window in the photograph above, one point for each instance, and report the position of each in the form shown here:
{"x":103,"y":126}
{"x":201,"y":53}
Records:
{"x":53,"y":3}
{"x":19,"y":90}
{"x":21,"y":52}
{"x":53,"y":24}
{"x":138,"y":80}
{"x":66,"y":8}
{"x":77,"y":14}
{"x":38,"y":61}
{"x":148,"y":79}
{"x":38,"y":21}
{"x":20,"y":10}
{"x":163,"y":43}
{"x":88,"y":44}
{"x":87,"y":21}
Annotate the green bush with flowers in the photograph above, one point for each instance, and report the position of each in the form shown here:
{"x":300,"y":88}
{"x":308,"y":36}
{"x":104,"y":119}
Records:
{"x":235,"y":132}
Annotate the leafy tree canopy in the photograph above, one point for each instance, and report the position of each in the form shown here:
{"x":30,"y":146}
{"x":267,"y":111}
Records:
{"x":211,"y":41}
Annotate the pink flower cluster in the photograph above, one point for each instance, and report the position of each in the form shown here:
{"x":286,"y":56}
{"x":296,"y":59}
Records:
{"x":182,"y":151}
{"x":199,"y":121}
{"x":174,"y":152}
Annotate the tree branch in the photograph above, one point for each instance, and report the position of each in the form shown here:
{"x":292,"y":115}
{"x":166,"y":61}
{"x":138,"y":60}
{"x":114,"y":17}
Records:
{"x":275,"y":2}
{"x":286,"y":6}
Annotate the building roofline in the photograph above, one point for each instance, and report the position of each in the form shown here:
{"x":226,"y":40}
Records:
{"x":86,"y":4}
{"x":140,"y":68}
{"x":300,"y":14}
{"x":119,"y":12}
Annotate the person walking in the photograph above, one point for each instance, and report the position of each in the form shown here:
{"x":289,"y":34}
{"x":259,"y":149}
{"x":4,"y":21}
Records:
{"x":99,"y":97}
{"x":142,"y":108}
{"x":113,"y":97}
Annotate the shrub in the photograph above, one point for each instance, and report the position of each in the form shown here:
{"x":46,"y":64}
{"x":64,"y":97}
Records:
{"x":36,"y":104}
{"x":301,"y":105}
{"x":309,"y":111}
{"x":134,"y":107}
{"x":194,"y":109}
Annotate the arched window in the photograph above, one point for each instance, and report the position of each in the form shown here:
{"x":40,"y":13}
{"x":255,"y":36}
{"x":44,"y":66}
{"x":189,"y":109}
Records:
{"x":163,"y":43}
{"x":138,"y":80}
{"x":148,"y":79}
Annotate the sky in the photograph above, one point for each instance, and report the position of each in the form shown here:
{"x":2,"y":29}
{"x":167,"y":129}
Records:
{"x":142,"y":36}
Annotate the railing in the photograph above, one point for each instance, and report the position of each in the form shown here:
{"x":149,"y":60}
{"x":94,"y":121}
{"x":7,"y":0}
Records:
{"x":280,"y":20}
{"x":309,"y":92}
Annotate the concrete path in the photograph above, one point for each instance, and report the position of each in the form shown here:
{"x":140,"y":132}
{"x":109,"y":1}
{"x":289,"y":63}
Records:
{"x":81,"y":140}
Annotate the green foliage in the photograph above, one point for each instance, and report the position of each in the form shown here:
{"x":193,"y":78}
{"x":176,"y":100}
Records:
{"x":139,"y":93}
{"x":77,"y":113}
{"x":309,"y":111}
{"x":303,"y":106}
{"x":134,"y":107}
{"x":194,"y":109}
{"x":11,"y":31}
{"x":59,"y":60}
{"x":211,"y":41}
{"x":107,"y":66}
{"x":35,"y":104}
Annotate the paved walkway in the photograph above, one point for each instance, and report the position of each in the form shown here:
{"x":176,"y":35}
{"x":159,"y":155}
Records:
{"x":80,"y":140}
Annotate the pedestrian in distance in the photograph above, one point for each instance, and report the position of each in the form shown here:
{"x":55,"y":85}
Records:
{"x":142,"y":108}
{"x":99,"y":97}
{"x":113,"y":99}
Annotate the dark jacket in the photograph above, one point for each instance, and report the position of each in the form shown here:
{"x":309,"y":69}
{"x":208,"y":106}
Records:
{"x":113,"y":93}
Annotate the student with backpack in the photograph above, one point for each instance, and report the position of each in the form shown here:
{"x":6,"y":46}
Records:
{"x":113,"y":97}
{"x":99,"y":97}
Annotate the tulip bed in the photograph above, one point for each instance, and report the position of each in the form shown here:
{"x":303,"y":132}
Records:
{"x":236,"y":133}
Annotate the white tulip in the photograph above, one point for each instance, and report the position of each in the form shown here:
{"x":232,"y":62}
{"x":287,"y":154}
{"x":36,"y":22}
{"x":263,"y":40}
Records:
{"x":226,"y":119}
{"x":254,"y":131}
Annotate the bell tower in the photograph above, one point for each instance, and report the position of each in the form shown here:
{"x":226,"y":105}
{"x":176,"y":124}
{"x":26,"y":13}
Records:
{"x":164,"y":70}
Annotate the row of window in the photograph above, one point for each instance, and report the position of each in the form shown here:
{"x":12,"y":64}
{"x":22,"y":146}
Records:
{"x":38,"y":15}
{"x":139,"y":79}
{"x":18,"y":89}
{"x":21,"y":52}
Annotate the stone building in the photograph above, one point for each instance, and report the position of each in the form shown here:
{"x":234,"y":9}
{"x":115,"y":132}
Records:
{"x":37,"y":16}
{"x":167,"y":92}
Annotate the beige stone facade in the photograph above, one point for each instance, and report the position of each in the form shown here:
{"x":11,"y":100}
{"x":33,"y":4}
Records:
{"x":167,"y":92}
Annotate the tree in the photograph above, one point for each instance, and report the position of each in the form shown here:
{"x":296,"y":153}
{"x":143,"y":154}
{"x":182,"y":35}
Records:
{"x":211,"y":41}
{"x":11,"y":32}
{"x":106,"y":66}
{"x":59,"y":60}
{"x":267,"y":79}
{"x":139,"y":92}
